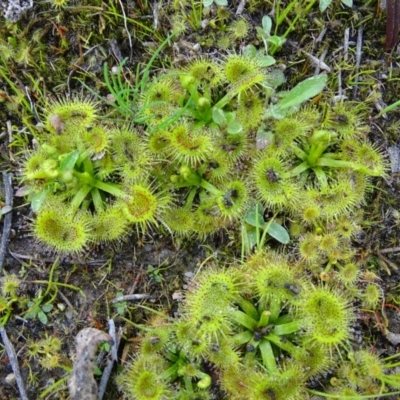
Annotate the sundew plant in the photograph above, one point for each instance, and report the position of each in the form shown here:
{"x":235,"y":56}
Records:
{"x":197,"y":157}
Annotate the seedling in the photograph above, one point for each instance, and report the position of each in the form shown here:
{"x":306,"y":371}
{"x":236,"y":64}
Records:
{"x":221,"y":3}
{"x":324,"y":4}
{"x":155,"y":273}
{"x":36,"y":309}
{"x":259,"y":313}
{"x":120,"y":305}
{"x":255,"y":229}
{"x":264,"y":32}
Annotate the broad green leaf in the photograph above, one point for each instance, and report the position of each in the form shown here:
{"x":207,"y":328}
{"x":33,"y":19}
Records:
{"x":261,"y":33}
{"x":218,"y":116}
{"x":266,"y":24}
{"x":106,"y":346}
{"x":234,"y":128}
{"x":303,"y":91}
{"x":69,"y":161}
{"x":324,"y":4}
{"x":275,"y":78}
{"x":97,"y":371}
{"x":276,"y":41}
{"x":278,"y":232}
{"x":37,"y":200}
{"x":221,"y":2}
{"x":32,"y":312}
{"x":42,"y":317}
{"x":5,"y":210}
{"x":252,"y":237}
{"x":267,"y":61}
{"x":47,"y":308}
{"x":230,"y":117}
{"x":254,"y":217}
{"x":348,"y":3}
{"x":250,"y":51}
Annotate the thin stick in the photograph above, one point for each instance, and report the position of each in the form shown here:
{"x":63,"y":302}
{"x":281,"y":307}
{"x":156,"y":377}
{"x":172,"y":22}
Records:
{"x":340,"y":92}
{"x":358,"y":59}
{"x":240,"y":8}
{"x":7,"y":179}
{"x":155,"y":15}
{"x":126,"y":26}
{"x":390,"y":250}
{"x":32,"y":104}
{"x":71,"y":307}
{"x":133,"y":297}
{"x":12,"y":357}
{"x":110,"y":362}
{"x":346,"y":44}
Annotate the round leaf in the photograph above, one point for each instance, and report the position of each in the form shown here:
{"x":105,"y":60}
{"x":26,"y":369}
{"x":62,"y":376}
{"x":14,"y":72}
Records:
{"x":234,"y":128}
{"x":37,"y":200}
{"x":218,"y":116}
{"x":42,"y":317}
{"x":278,"y":232}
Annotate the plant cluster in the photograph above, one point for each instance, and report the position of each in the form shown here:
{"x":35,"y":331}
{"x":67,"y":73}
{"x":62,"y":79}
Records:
{"x":261,"y":326}
{"x":48,"y":354}
{"x":365,"y":373}
{"x":209,"y":145}
{"x":198,"y":165}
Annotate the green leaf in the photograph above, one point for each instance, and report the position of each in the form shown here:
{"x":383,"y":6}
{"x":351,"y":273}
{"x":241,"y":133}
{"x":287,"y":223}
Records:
{"x":97,"y":371}
{"x":105,"y":346}
{"x":221,"y":2}
{"x":250,"y":51}
{"x":234,"y":128}
{"x":37,"y":200}
{"x":42,"y":317}
{"x":230,"y":117}
{"x":287,"y":329}
{"x":266,"y":24}
{"x":276,"y":78}
{"x":324,"y":4}
{"x":303,"y":91}
{"x":278,"y":232}
{"x":276,"y":41}
{"x":267,"y":61}
{"x":47,"y":308}
{"x":5,"y":210}
{"x":243,"y":319}
{"x":32,"y":313}
{"x":261,"y":33}
{"x":218,"y":116}
{"x":252,"y":237}
{"x":68,"y":161}
{"x":348,"y":3}
{"x":254,"y":217}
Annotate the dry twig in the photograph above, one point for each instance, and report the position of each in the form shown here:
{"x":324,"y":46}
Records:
{"x":7,"y":179}
{"x":12,"y":357}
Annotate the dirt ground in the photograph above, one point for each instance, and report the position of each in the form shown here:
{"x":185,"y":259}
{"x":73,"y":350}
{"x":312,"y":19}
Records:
{"x":156,"y":264}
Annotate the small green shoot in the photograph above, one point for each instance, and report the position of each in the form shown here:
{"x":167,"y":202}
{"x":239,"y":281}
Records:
{"x":226,"y":120}
{"x":120,"y":305}
{"x":38,"y":310}
{"x":255,"y":229}
{"x":155,"y":273}
{"x":264,"y":32}
{"x":324,"y":4}
{"x":220,"y":3}
{"x":291,"y":100}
